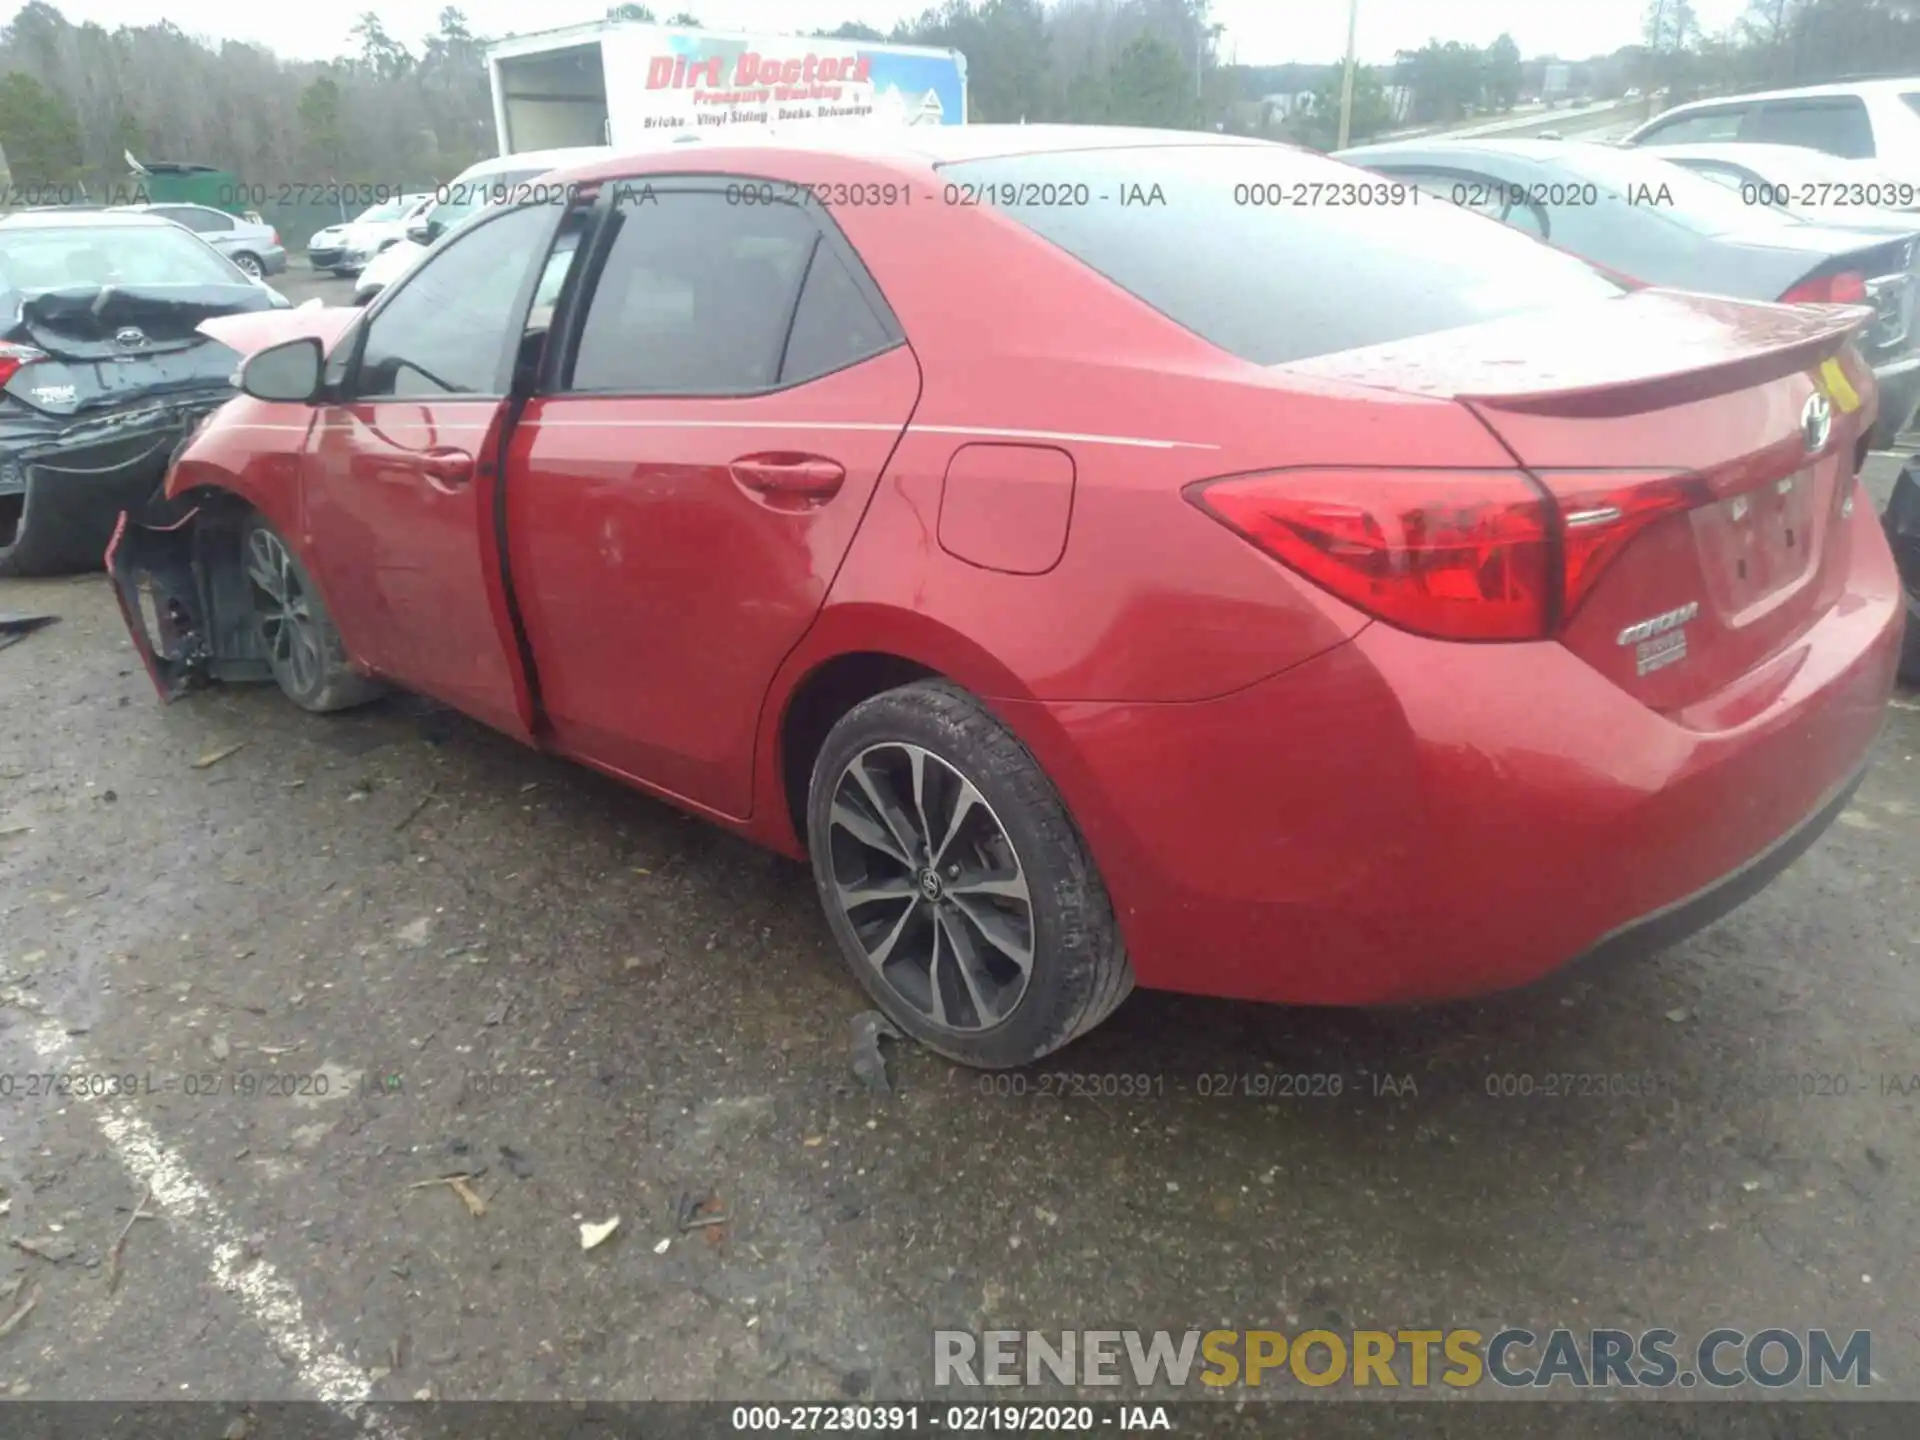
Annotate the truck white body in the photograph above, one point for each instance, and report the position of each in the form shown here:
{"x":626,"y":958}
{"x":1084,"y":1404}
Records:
{"x":627,"y":84}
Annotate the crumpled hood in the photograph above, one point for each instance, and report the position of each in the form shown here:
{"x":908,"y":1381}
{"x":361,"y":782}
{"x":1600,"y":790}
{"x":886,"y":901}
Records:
{"x":249,"y":334}
{"x":90,"y":323}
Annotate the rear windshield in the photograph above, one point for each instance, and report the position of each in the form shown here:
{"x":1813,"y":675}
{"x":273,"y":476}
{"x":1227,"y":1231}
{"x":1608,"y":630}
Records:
{"x":1274,"y":255}
{"x":71,"y":256}
{"x":1641,"y":178}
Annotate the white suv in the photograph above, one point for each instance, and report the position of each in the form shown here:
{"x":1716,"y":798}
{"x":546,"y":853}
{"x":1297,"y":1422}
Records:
{"x":1861,"y":120}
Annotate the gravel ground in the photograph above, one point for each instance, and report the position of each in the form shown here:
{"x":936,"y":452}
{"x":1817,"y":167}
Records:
{"x":361,"y":952}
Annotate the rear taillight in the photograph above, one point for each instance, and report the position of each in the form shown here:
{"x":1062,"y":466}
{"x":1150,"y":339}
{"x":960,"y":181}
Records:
{"x":276,"y":236}
{"x":12,"y":357}
{"x":1849,"y":287}
{"x":1452,"y":554}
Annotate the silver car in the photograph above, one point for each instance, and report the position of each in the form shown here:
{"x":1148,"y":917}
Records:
{"x":253,"y":245}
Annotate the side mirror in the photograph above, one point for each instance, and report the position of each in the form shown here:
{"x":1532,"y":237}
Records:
{"x":288,"y":373}
{"x":421,"y":232}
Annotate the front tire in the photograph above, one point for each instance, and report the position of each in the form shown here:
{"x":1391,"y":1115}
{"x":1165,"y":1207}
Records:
{"x":296,"y":634}
{"x":955,"y":882}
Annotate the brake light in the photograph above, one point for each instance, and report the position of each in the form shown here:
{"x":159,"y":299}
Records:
{"x":276,"y":236}
{"x":12,"y":357}
{"x":1451,"y":554}
{"x":1849,"y":287}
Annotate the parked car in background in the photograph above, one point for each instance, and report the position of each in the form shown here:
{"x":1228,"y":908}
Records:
{"x":346,"y":248}
{"x":1855,"y":120}
{"x":103,"y":371}
{"x":1478,"y":612}
{"x":1809,"y":183}
{"x":251,"y":244}
{"x":470,"y":192}
{"x":1658,"y":223}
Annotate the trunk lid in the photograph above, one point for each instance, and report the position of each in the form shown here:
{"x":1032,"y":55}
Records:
{"x":106,"y":346}
{"x":1699,"y":490}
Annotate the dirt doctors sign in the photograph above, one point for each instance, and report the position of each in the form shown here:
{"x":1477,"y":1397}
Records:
{"x":690,"y":80}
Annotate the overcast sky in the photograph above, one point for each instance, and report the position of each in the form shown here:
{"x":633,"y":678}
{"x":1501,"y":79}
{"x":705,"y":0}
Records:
{"x":1259,"y":32}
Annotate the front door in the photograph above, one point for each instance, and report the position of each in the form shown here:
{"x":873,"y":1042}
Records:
{"x":685,"y":485}
{"x":400,"y":473}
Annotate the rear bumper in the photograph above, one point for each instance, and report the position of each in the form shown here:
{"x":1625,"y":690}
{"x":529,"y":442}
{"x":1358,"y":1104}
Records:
{"x":1401,"y":819}
{"x":91,"y":470}
{"x":273,"y":260}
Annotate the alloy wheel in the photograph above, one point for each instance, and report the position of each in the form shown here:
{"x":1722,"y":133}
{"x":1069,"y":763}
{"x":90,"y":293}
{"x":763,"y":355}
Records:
{"x":289,"y":631}
{"x":250,"y":265}
{"x":931,"y":887}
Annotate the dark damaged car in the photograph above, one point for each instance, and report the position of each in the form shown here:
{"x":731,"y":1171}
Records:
{"x":104,"y":372}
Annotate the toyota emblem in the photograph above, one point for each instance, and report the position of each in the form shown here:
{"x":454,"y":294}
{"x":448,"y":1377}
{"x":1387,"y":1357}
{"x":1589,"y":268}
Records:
{"x":1816,"y":423}
{"x":130,"y":338}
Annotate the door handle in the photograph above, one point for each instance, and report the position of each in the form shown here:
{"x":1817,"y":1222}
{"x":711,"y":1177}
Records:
{"x":807,"y":477}
{"x":446,"y":469}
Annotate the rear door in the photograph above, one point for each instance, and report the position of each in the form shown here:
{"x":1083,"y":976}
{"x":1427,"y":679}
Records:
{"x":400,"y":471}
{"x":684,"y":486}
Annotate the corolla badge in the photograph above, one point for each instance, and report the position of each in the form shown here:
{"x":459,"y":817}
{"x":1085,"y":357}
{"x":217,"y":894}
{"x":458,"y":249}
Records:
{"x":1816,"y":423}
{"x":1660,"y":641}
{"x":130,"y":337}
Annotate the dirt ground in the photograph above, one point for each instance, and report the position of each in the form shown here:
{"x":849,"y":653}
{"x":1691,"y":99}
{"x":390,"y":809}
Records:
{"x":361,"y":952}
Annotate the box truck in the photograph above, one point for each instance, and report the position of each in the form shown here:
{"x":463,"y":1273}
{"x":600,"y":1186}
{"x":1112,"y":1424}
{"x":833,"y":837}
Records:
{"x":629,"y":85}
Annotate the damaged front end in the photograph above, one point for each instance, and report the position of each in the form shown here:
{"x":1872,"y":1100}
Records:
{"x":186,"y":598}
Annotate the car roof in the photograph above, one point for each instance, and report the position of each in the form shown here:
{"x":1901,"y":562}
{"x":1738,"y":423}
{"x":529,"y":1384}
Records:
{"x":1836,"y":87}
{"x":923,"y":144}
{"x":68,"y":219}
{"x":539,"y":160}
{"x":1545,"y":150}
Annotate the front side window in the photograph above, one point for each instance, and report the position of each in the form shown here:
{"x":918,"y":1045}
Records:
{"x":695,"y":296}
{"x":449,"y":323}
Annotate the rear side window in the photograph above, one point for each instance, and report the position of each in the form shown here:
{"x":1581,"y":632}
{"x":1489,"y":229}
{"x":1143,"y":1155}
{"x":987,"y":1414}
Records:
{"x":835,"y":325}
{"x":695,"y":296}
{"x":1210,"y":236}
{"x":1836,"y":124}
{"x":1698,"y":127}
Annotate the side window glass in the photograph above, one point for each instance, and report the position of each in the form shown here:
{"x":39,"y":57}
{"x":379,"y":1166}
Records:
{"x":450,"y":321}
{"x":1839,"y":126}
{"x":835,"y":326}
{"x":1700,"y":128}
{"x":208,"y":221}
{"x":1528,"y":218}
{"x":695,"y":297}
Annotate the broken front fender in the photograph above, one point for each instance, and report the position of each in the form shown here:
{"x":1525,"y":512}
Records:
{"x":186,"y":600}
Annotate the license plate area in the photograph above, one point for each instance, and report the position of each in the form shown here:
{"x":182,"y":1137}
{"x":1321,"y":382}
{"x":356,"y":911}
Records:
{"x":1759,"y":542}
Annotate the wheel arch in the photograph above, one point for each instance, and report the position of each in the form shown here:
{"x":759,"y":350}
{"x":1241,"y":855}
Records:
{"x":853,"y":653}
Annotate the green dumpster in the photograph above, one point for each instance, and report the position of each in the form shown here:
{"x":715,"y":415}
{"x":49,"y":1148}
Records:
{"x":167,"y":182}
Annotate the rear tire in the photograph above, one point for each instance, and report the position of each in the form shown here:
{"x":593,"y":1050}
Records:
{"x":250,"y":264}
{"x":943,"y":855}
{"x":43,"y":533}
{"x":296,"y":633}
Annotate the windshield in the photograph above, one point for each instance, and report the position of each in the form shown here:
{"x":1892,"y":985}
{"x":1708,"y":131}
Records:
{"x":469,"y":196}
{"x":391,"y":210}
{"x":69,"y":257}
{"x":1222,"y":240}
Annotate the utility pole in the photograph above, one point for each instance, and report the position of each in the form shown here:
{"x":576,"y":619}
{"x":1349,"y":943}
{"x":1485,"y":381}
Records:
{"x":1346,"y":88}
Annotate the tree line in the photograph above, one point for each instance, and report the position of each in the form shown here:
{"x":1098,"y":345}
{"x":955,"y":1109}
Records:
{"x":75,"y":100}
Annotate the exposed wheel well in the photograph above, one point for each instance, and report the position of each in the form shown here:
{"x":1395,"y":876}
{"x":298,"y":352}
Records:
{"x":823,"y":697}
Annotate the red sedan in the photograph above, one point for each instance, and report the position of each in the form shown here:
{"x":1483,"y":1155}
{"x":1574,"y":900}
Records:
{"x":1112,"y":557}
